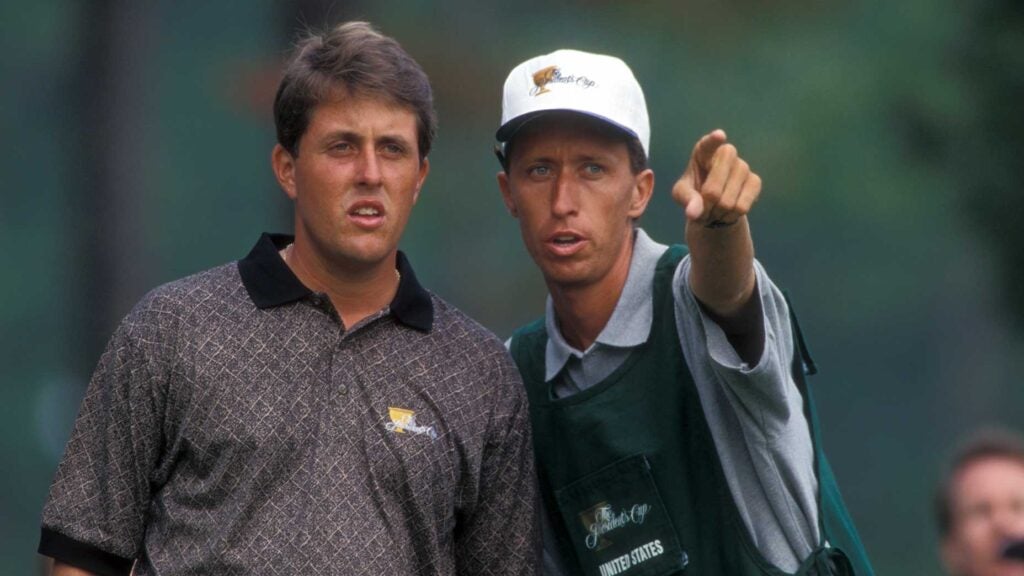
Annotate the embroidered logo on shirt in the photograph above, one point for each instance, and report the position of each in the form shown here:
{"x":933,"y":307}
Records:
{"x":403,"y":420}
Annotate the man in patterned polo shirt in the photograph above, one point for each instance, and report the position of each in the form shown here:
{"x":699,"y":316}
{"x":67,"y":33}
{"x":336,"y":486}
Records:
{"x":310,"y":409}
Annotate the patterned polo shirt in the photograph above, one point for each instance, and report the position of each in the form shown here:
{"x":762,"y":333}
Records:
{"x":235,"y":426}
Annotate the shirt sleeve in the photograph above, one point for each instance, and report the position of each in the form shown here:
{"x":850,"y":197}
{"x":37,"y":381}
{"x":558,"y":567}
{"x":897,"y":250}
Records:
{"x":95,"y":514}
{"x":757,"y":421}
{"x":501,"y":535}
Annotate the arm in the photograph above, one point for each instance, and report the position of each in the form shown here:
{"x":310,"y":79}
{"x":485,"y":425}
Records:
{"x":755,"y":414}
{"x":734,"y":327}
{"x":500,"y":535}
{"x":94,"y":517}
{"x":717,"y":191}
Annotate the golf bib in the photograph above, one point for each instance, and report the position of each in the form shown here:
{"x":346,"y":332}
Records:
{"x":618,"y":523}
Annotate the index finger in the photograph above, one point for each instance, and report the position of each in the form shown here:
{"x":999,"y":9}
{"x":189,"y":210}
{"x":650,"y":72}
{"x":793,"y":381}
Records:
{"x":705,"y":148}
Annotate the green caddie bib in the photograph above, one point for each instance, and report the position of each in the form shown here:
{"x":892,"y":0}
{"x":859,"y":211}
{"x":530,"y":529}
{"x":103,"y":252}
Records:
{"x":629,"y":472}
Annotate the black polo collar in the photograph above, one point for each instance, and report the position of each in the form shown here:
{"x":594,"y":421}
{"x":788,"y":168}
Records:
{"x":270,"y":282}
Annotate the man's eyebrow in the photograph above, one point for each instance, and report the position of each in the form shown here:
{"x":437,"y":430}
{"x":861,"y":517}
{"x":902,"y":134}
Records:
{"x":523,"y":157}
{"x":579,"y":158}
{"x":359,"y":138}
{"x":599,"y":157}
{"x":393,"y":139}
{"x":342,"y":135}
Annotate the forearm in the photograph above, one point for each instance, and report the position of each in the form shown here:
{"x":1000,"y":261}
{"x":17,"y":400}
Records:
{"x":722,"y":267}
{"x":723,"y":280}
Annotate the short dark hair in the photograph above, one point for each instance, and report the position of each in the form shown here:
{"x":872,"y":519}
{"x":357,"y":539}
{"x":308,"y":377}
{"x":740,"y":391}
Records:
{"x":988,"y":443}
{"x":637,"y":155}
{"x":361,"y":61}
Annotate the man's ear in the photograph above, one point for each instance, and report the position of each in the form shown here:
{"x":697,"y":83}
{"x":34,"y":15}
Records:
{"x":424,"y":170}
{"x":283,"y":164}
{"x":506,"y":194}
{"x":642,"y":193}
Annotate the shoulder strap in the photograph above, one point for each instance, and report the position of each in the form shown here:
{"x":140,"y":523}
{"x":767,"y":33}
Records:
{"x":527,"y":347}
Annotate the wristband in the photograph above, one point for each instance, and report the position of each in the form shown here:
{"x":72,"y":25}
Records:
{"x":715,"y":224}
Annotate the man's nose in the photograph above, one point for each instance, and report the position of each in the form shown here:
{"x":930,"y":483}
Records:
{"x":369,"y":168}
{"x":565,"y":200}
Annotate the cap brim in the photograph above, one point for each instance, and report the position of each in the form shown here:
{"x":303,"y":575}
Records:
{"x":510,"y":128}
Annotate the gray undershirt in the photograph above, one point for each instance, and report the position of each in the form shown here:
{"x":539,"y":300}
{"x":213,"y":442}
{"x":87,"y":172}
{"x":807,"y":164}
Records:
{"x":755,"y":412}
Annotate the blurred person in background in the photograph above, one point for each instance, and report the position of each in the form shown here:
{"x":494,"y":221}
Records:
{"x":979,"y":507}
{"x":311,"y":408}
{"x":672,"y":424}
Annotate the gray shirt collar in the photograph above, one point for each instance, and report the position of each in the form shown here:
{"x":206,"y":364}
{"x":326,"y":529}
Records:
{"x":630,"y":323}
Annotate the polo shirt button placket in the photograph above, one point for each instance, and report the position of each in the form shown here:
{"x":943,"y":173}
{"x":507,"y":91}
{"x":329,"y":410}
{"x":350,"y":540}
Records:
{"x":320,"y":301}
{"x":342,"y":371}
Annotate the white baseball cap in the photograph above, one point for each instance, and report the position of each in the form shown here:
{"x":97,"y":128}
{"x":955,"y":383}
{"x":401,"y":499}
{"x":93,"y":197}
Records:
{"x":570,"y":80}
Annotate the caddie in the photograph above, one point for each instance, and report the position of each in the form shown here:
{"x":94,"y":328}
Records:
{"x":673,"y":427}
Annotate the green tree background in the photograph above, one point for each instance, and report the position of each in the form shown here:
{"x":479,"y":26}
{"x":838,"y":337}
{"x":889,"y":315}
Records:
{"x":136,"y":144}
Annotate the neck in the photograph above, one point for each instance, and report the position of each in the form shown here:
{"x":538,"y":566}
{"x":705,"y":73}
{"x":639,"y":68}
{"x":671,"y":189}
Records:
{"x":356,"y":292}
{"x":583,"y":310}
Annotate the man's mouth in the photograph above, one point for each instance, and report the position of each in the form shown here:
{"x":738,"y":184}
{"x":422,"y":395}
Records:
{"x":367,"y":215}
{"x":565,"y":243}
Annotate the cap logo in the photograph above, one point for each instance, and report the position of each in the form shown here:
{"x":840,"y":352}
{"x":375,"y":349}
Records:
{"x":553,"y":75}
{"x":541,"y":78}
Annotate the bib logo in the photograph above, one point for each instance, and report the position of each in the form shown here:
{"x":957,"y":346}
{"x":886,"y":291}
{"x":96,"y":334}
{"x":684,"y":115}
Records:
{"x":602,"y":519}
{"x":635,"y":557}
{"x":553,"y":75}
{"x":403,"y":421}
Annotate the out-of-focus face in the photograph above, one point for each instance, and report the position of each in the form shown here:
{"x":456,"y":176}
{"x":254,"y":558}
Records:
{"x":354,"y":181}
{"x":570,"y":185}
{"x":987,"y":499}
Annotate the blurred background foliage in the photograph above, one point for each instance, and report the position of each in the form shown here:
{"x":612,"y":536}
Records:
{"x":135,"y":147}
